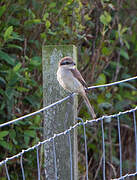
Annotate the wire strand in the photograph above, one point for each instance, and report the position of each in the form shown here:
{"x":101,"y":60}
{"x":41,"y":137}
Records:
{"x":62,"y":100}
{"x":114,"y":83}
{"x":65,"y":132}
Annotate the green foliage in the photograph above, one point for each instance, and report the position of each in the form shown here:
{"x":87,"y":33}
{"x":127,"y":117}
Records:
{"x":124,"y":54}
{"x":105,"y":34}
{"x":3,"y":134}
{"x":7,"y":34}
{"x":105,"y":18}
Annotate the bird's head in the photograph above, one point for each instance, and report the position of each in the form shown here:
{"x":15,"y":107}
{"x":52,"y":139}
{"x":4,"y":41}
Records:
{"x":67,"y":62}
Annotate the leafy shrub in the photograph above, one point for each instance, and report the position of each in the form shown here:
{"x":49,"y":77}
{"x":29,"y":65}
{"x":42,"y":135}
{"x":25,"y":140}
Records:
{"x":105,"y":34}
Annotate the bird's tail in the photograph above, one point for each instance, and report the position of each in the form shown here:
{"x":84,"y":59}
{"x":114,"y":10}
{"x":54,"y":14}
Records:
{"x":90,"y":108}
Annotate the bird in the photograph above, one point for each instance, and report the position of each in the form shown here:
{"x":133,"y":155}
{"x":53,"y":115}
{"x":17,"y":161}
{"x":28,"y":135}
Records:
{"x":71,"y":80}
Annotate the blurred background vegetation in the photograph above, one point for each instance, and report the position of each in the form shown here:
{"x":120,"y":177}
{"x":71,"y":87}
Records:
{"x":105,"y":33}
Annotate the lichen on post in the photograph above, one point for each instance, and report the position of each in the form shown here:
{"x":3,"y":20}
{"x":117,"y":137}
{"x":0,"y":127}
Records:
{"x":60,"y":117}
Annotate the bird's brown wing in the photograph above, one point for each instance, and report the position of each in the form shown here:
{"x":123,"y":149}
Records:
{"x":78,"y":76}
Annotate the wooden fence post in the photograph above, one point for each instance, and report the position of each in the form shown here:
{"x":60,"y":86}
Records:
{"x":60,"y":117}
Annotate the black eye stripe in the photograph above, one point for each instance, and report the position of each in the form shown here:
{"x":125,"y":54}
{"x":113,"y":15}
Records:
{"x":65,"y":63}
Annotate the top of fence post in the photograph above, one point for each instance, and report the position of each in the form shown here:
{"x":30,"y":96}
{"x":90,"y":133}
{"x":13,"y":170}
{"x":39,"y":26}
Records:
{"x":60,"y":117}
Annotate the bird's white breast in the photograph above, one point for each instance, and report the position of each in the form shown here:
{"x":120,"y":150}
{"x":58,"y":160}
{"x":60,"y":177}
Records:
{"x":68,"y":81}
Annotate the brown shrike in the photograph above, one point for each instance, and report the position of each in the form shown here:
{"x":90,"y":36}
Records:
{"x":70,"y":79}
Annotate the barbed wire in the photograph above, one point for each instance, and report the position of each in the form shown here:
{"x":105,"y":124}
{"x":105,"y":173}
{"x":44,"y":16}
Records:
{"x":66,"y":132}
{"x":62,"y":100}
{"x":126,"y":175}
{"x":114,"y":83}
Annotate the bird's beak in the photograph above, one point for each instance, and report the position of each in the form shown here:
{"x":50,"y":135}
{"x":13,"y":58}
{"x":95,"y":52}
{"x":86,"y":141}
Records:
{"x":74,"y":66}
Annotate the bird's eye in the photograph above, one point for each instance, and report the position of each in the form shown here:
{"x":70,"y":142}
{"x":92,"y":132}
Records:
{"x":64,"y":63}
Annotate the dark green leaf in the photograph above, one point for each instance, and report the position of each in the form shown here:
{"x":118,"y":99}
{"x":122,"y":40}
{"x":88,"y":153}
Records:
{"x":17,"y":67}
{"x":124,"y":54}
{"x":128,"y":85}
{"x":16,"y":36}
{"x":6,"y":145}
{"x":14,"y":21}
{"x":3,"y":134}
{"x":32,"y":100}
{"x":32,"y":21}
{"x":15,"y":46}
{"x":8,"y":32}
{"x":4,"y":56}
{"x":2,"y":81}
{"x":22,"y":89}
{"x":101,"y":79}
{"x":47,"y":24}
{"x":105,"y":18}
{"x":30,"y":133}
{"x":2,"y":10}
{"x":52,"y":5}
{"x":12,"y":133}
{"x":106,"y":51}
{"x":105,"y":105}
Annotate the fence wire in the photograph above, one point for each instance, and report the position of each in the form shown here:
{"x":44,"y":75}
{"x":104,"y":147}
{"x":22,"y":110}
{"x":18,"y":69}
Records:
{"x":67,"y":133}
{"x":62,"y":100}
